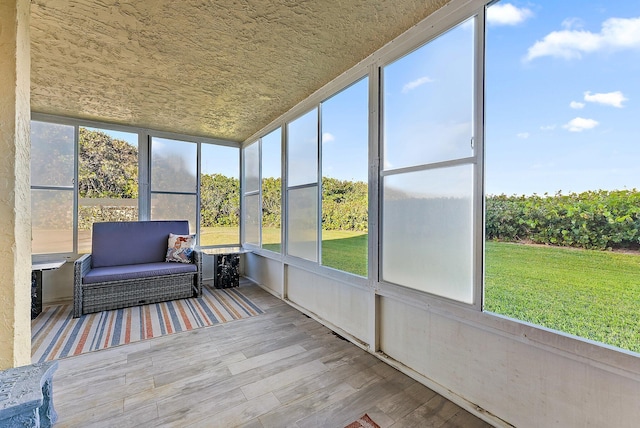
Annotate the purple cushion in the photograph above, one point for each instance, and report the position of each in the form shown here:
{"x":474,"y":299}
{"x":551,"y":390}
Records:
{"x":132,"y":242}
{"x":119,"y":273}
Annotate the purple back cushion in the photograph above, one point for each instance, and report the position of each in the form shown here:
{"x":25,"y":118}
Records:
{"x":133,"y":242}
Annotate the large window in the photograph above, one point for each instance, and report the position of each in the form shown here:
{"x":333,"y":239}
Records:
{"x":107,"y":179}
{"x":271,"y":171}
{"x":562,"y":198}
{"x":252,"y":214}
{"x":111,"y":186}
{"x":345,"y":192}
{"x":262,"y":192}
{"x":332,"y":229}
{"x":428,"y":167}
{"x":52,"y":187}
{"x":219,"y":195}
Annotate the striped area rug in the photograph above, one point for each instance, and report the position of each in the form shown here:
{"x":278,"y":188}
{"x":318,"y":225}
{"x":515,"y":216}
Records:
{"x":56,"y":334}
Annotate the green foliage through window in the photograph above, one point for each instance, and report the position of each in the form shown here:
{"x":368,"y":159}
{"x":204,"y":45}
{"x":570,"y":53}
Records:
{"x":593,"y":219}
{"x":108,"y":167}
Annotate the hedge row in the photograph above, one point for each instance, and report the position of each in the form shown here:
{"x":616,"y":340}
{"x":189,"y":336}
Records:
{"x":594,"y":219}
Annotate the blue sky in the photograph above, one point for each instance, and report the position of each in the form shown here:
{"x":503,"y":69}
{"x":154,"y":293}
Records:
{"x":562,"y":100}
{"x":562,"y":96}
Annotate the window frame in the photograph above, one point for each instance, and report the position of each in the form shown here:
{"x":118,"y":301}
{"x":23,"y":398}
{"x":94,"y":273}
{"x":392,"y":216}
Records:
{"x":475,"y":160}
{"x":195,"y":192}
{"x":248,"y":193}
{"x":144,"y":170}
{"x":303,"y":185}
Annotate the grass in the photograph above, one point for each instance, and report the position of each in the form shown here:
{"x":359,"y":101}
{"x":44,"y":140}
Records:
{"x":219,"y":235}
{"x":591,"y":294}
{"x":342,"y":250}
{"x":346,"y":251}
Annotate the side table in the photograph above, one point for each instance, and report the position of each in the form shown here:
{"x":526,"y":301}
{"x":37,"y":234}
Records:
{"x":226,"y":264}
{"x":36,"y":283}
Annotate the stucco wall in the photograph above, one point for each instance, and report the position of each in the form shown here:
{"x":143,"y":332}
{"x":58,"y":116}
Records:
{"x":15,"y":202}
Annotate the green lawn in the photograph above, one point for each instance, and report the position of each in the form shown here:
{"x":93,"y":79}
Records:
{"x":346,"y":251}
{"x":592,"y":294}
{"x":342,"y":250}
{"x":219,"y":235}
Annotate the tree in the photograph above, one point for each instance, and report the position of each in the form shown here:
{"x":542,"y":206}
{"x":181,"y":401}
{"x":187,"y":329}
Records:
{"x":219,"y":200}
{"x":108,"y":167}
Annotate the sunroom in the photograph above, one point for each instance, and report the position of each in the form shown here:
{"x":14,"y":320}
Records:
{"x":451,"y":186}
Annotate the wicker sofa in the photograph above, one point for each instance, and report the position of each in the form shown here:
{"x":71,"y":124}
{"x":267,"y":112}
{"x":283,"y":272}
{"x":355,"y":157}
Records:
{"x":127,"y":267}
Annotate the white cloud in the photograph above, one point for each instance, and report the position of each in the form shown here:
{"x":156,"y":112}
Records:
{"x":570,"y":23}
{"x":616,"y":34}
{"x":579,"y":124}
{"x":548,"y":127}
{"x":576,"y":105}
{"x":328,"y":137}
{"x":614,"y":99}
{"x":414,"y":84}
{"x":523,"y":135}
{"x":507,"y":14}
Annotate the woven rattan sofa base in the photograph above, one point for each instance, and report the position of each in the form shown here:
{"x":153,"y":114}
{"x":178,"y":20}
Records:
{"x":105,"y":296}
{"x":121,"y":294}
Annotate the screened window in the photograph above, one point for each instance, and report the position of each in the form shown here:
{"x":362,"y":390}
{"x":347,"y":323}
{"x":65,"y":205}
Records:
{"x":562,"y":223}
{"x":302,"y":176}
{"x":345,"y":143}
{"x":174,"y":190}
{"x":271,"y":162}
{"x":219,"y":195}
{"x":252,"y":212}
{"x":52,"y":187}
{"x":428,"y":173}
{"x":107,"y":179}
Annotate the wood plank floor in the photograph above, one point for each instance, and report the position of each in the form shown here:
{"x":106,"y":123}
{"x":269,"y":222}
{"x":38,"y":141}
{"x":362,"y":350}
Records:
{"x":279,"y":369}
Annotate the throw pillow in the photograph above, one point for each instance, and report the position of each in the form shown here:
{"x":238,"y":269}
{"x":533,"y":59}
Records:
{"x":180,"y":248}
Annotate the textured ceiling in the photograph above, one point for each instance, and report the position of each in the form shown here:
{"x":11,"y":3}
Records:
{"x":214,"y":68}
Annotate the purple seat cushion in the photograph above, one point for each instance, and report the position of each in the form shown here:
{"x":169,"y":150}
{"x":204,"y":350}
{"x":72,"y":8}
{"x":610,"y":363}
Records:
{"x":133,"y":242}
{"x":119,"y":273}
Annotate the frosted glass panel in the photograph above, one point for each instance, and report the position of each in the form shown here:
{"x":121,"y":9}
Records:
{"x":303,"y":223}
{"x":173,"y":165}
{"x":52,"y":154}
{"x":174,"y":207}
{"x":252,"y":219}
{"x":252,"y":168}
{"x":428,"y":102}
{"x":427,"y":241}
{"x":302,"y":143}
{"x":52,"y":221}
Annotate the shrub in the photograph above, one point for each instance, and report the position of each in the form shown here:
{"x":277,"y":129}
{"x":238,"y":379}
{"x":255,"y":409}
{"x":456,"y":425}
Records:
{"x":593,"y":219}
